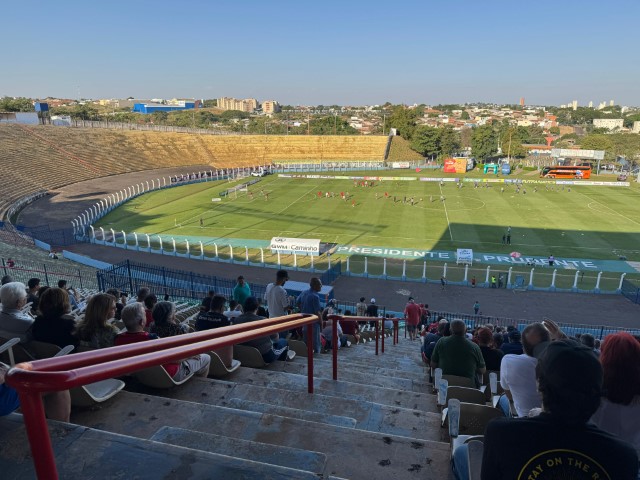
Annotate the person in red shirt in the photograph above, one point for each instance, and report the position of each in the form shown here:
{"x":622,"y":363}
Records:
{"x":412,"y":314}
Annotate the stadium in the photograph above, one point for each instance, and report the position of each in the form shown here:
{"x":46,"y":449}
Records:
{"x":181,"y":214}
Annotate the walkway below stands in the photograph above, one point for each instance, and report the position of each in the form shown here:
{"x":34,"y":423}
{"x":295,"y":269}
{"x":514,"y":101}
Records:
{"x":533,"y":306}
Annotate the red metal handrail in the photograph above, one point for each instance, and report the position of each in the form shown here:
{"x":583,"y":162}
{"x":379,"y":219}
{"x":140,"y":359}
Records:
{"x":31,"y":379}
{"x":334,"y":334}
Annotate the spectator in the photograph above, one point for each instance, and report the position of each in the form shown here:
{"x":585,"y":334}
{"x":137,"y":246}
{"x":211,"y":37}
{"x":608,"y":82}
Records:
{"x":210,"y":294}
{"x":492,"y":356}
{"x":57,"y":405}
{"x":74,"y":298}
{"x":94,"y":331}
{"x":142,"y":294}
{"x":276,"y":296}
{"x":119,"y":303}
{"x":261,"y":310}
{"x":456,"y":355}
{"x":327,"y":333}
{"x":33,"y":286}
{"x":498,"y":340}
{"x":559,"y":443}
{"x":235,"y":310}
{"x":412,"y":313}
{"x":372,"y":311}
{"x":619,"y":411}
{"x":6,"y":279}
{"x":589,"y":341}
{"x":271,"y":349}
{"x":149,"y":302}
{"x":14,"y":323}
{"x":164,"y":320}
{"x":515,"y":345}
{"x":517,"y":372}
{"x":350,"y":327}
{"x":425,"y":315}
{"x":431,"y":339}
{"x":241,"y":291}
{"x":134,"y":320}
{"x":54,"y":324}
{"x":361,"y":308}
{"x":309,"y":302}
{"x":212,"y":317}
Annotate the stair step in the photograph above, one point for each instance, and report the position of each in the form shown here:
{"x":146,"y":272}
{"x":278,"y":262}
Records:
{"x":388,"y":456}
{"x":367,"y":415}
{"x":82,"y":452}
{"x":246,"y":449}
{"x":340,"y":421}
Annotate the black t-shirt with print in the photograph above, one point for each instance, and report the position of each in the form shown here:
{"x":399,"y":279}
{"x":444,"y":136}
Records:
{"x":542,"y":449}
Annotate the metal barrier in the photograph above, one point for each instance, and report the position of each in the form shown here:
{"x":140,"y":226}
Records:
{"x":32,"y":379}
{"x":22,"y":271}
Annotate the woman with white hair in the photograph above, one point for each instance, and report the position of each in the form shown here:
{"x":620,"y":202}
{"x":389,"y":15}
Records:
{"x":13,"y":322}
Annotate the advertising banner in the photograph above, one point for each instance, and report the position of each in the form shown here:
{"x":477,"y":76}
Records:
{"x":299,"y":246}
{"x":455,"y":165}
{"x":400,"y":165}
{"x":464,"y":255}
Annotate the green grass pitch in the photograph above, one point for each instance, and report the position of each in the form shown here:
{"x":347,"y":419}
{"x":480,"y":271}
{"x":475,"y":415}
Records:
{"x":580,"y":222}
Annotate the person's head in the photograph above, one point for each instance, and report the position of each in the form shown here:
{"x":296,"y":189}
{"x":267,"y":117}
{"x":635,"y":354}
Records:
{"x":442,"y":326}
{"x":163,"y":313}
{"x":569,"y":379}
{"x":115,"y":292}
{"x":362,"y":299}
{"x":13,"y":295}
{"x":281,"y":277}
{"x":241,"y":280}
{"x":588,"y":340}
{"x":458,"y":327}
{"x":217,"y":303}
{"x":133,"y":317}
{"x":233,"y":304}
{"x":100,"y":308}
{"x":62,"y":284}
{"x":532,"y":335}
{"x":250,"y":305}
{"x":485,"y":337}
{"x":33,"y":284}
{"x":6,"y":279}
{"x":142,"y":294}
{"x":498,"y":340}
{"x":373,"y":301}
{"x":315,"y":284}
{"x":54,"y":302}
{"x":211,"y":293}
{"x":510,"y":328}
{"x":150,"y":301}
{"x":205,"y":306}
{"x":620,"y":358}
{"x":515,"y":336}
{"x":411,"y":300}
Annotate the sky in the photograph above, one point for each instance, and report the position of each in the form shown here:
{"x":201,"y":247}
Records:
{"x":327,"y":52}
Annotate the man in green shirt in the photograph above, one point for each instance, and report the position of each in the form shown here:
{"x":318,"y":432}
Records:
{"x":241,"y":291}
{"x":457,"y":355}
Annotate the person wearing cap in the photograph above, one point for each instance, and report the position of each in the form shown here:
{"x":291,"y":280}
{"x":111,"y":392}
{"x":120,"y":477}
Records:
{"x":241,"y":291}
{"x":372,"y":311}
{"x":514,"y":346}
{"x":560,"y":442}
{"x":276,"y":296}
{"x":412,"y":313}
{"x":456,"y":355}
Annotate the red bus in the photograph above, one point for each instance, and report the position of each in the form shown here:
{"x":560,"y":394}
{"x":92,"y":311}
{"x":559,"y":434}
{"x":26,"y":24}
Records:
{"x":561,"y":171}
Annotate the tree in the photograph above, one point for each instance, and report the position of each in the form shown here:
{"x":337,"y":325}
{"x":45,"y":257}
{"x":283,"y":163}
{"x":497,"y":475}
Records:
{"x":449,"y":141}
{"x":511,"y":141}
{"x":230,"y":114}
{"x":554,"y":130}
{"x":426,"y":141}
{"x":20,"y":104}
{"x":210,"y":102}
{"x":483,"y":142}
{"x":464,"y":115}
{"x":403,"y":119}
{"x":159,"y":118}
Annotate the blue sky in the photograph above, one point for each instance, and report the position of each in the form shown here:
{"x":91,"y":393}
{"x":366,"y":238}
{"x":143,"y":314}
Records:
{"x":324,"y":52}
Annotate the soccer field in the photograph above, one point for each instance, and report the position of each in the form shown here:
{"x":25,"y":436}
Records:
{"x":580,"y":222}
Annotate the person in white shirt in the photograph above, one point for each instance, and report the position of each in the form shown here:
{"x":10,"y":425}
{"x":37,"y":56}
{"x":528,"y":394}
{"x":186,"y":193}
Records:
{"x":13,"y":322}
{"x":276,"y":296}
{"x":518,"y":372}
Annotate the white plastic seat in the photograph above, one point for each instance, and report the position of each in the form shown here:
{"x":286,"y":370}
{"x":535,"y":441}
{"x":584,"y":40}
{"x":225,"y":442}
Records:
{"x":218,"y":369}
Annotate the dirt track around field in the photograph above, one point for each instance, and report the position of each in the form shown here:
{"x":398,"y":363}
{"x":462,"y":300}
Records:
{"x":67,"y":202}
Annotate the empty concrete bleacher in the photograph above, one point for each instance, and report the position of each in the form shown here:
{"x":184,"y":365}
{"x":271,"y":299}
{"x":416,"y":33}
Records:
{"x":264,"y":419}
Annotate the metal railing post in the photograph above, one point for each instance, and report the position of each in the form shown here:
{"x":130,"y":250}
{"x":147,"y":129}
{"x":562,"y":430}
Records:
{"x":334,"y":347}
{"x":310,"y":358}
{"x":377,"y":330}
{"x":38,"y":435}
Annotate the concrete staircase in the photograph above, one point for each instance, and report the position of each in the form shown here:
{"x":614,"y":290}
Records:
{"x":378,"y":421}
